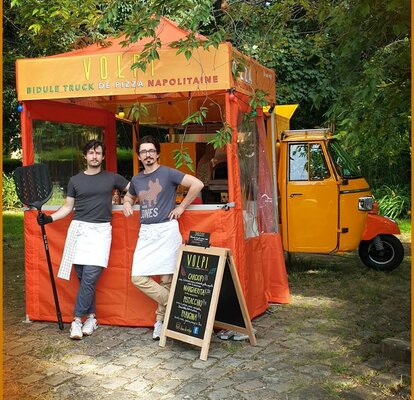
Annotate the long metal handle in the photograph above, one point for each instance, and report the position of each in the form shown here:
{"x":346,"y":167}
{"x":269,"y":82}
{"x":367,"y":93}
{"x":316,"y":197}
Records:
{"x":52,"y":279}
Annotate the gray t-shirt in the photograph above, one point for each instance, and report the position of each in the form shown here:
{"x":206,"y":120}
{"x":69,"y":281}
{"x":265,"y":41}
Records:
{"x":93,"y":195}
{"x":156,"y":192}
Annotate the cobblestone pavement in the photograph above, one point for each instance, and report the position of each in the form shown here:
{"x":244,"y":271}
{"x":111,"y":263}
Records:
{"x":323,"y":345}
{"x":121,"y":363}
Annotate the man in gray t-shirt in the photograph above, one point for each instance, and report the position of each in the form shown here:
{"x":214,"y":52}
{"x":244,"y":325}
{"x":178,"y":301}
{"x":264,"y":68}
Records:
{"x":89,"y":236}
{"x":159,"y":235}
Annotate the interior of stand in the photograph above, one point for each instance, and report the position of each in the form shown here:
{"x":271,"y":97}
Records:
{"x":58,"y":144}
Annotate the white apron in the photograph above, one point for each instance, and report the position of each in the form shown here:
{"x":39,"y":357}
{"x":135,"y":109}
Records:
{"x":87,"y":243}
{"x":157,"y":249}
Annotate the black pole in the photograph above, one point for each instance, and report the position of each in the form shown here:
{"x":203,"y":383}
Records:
{"x":52,"y":279}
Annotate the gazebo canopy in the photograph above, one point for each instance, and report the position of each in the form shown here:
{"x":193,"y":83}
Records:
{"x":103,"y":74}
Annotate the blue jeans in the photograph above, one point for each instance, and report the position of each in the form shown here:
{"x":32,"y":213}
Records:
{"x":88,"y":276}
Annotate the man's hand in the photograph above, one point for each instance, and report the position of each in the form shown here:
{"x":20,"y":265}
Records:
{"x":43,"y":219}
{"x":127,"y":209}
{"x":176,"y":213}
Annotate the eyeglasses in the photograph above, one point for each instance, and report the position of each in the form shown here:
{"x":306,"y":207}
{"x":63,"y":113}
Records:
{"x":150,"y":151}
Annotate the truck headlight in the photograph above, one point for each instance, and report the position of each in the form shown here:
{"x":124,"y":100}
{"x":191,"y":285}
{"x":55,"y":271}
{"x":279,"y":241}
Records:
{"x":365,"y":203}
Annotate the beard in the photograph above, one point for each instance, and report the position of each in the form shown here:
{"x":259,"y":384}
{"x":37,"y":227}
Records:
{"x":94,"y":164}
{"x":149,"y":161}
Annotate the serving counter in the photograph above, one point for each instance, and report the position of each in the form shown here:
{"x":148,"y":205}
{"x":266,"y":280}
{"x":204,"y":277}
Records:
{"x":263,"y":278}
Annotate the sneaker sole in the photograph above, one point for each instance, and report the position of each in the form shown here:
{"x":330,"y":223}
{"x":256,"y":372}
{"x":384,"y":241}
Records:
{"x":76,"y":337}
{"x":89,"y":333}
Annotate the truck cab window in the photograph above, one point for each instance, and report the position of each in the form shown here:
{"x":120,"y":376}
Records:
{"x":307,"y":162}
{"x":318,"y":168}
{"x":298,"y":162}
{"x":344,"y":165}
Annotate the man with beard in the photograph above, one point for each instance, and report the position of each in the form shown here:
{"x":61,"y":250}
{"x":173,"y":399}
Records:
{"x":89,"y":236}
{"x":159,"y":236}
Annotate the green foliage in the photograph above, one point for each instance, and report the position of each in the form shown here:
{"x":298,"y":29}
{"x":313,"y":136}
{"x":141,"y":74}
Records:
{"x":221,"y":137}
{"x":370,"y":44}
{"x":404,"y":225}
{"x":394,"y":202}
{"x":181,"y":157}
{"x":10,"y":164}
{"x":196,"y":117}
{"x":10,"y":198}
{"x":53,"y":27}
{"x":138,"y":110}
{"x":346,"y":62}
{"x":238,"y":66}
{"x":123,"y":154}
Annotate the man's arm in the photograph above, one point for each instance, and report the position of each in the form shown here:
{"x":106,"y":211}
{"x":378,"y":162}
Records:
{"x":129,"y":201}
{"x":62,"y":212}
{"x":194,"y":188}
{"x":65,"y":210}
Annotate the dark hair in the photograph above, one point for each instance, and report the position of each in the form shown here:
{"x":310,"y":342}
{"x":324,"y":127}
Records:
{"x":93,"y":144}
{"x":149,"y":139}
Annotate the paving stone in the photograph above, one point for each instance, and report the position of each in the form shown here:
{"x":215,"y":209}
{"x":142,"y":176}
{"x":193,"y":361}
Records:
{"x":310,"y":393}
{"x":186,"y":373}
{"x":193,"y":388}
{"x":31,"y":378}
{"x":363,"y":393}
{"x":151,"y":362}
{"x":114,"y":383}
{"x":377,"y":363}
{"x":165,"y":386}
{"x":110,"y":369}
{"x":222,"y":383}
{"x":386,"y":379}
{"x":127,"y":361}
{"x":59,"y":378}
{"x":315,"y":370}
{"x":200,"y":364}
{"x":250,"y":352}
{"x":261,"y":394}
{"x":174,"y":364}
{"x":89,"y":380}
{"x":223,"y":394}
{"x":217,"y":372}
{"x":396,"y":349}
{"x":250,"y":385}
{"x":138,"y":386}
{"x":126,"y":364}
{"x":19,"y":350}
{"x":77,"y":359}
{"x":132,"y":373}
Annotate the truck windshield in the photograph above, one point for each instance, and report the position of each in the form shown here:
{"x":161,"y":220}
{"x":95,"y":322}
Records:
{"x":342,"y":161}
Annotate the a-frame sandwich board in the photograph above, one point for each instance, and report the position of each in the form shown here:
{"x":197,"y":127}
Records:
{"x":205,"y":293}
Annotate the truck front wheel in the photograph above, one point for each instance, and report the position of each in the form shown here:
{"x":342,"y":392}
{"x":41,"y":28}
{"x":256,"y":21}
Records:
{"x":384,"y":259}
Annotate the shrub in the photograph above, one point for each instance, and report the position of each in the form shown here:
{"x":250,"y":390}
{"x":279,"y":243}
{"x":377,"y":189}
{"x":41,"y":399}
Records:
{"x":10,"y":199}
{"x":394,"y":202}
{"x":10,"y":164}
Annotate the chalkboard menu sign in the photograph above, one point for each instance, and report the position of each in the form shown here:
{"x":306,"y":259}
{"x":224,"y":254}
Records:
{"x":205,"y":293}
{"x":192,"y":294}
{"x":199,"y":239}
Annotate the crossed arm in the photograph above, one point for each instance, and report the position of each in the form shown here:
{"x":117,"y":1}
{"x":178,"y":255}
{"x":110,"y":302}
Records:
{"x":194,"y":187}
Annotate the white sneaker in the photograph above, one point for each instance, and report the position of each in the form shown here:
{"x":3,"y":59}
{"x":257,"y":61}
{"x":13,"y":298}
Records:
{"x":90,"y":325}
{"x":225,"y":334}
{"x":76,"y":330}
{"x":157,"y":330}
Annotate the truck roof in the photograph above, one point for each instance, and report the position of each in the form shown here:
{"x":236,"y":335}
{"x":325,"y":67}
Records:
{"x":306,"y":134}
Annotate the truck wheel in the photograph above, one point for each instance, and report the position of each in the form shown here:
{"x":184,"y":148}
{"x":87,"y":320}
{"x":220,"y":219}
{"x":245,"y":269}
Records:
{"x":382,"y":260}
